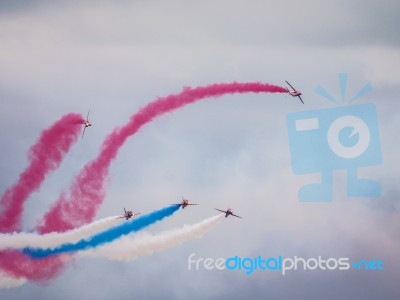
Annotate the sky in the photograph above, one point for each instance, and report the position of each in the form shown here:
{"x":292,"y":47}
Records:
{"x":114,"y":57}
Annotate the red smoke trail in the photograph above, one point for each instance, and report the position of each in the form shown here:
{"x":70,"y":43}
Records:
{"x":87,"y":192}
{"x":44,"y":157}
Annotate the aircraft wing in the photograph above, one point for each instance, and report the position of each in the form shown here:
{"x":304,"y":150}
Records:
{"x":224,"y":211}
{"x":301,"y":99}
{"x":87,"y":118}
{"x":84,"y":128}
{"x":290,"y":85}
{"x":236,"y":216}
{"x":192,"y":204}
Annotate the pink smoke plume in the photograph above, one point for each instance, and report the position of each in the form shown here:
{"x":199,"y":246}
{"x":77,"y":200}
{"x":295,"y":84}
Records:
{"x":17,"y":264}
{"x":87,"y":192}
{"x":44,"y":157}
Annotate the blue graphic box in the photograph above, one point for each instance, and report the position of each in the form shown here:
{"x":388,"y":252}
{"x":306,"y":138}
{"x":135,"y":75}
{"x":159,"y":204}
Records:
{"x":324,"y":140}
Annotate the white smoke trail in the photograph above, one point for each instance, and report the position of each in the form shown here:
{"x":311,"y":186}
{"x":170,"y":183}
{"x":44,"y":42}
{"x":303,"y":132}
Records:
{"x":50,"y":240}
{"x":54,"y":239}
{"x":126,"y":248}
{"x":10,"y":282}
{"x":131,"y":247}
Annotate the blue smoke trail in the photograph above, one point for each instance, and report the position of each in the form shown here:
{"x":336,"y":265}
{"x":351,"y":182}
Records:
{"x":108,"y":235}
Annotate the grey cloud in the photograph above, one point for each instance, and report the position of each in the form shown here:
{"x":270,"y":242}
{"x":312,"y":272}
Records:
{"x":233,"y":151}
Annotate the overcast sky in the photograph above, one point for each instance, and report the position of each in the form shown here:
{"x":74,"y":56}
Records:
{"x":115,"y":56}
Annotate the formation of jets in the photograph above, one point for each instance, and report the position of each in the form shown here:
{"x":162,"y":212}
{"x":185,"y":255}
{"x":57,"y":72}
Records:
{"x":185,"y":202}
